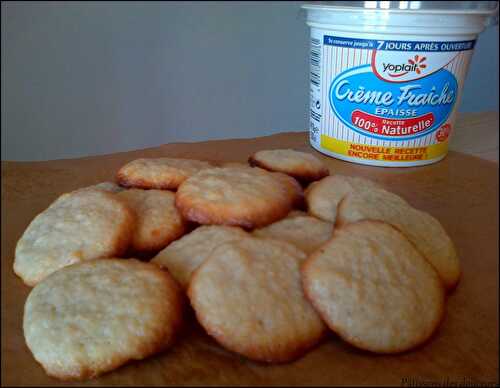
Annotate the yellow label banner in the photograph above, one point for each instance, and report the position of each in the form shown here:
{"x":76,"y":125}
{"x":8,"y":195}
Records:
{"x":389,"y":154}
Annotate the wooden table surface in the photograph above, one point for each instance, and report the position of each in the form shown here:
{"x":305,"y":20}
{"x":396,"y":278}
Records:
{"x":477,"y":134}
{"x":461,"y":191}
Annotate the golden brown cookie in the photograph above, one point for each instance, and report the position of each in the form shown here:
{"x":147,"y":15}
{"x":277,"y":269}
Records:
{"x":423,"y":230}
{"x":248,"y":296}
{"x":158,"y":220}
{"x":306,"y":232}
{"x":78,"y":226}
{"x":286,"y":179}
{"x":323,"y":197}
{"x":106,"y":186}
{"x":294,"y":186}
{"x":159,"y":173}
{"x":248,"y":197}
{"x":92,"y":317}
{"x":373,"y":288}
{"x":183,"y":256}
{"x":301,"y":165}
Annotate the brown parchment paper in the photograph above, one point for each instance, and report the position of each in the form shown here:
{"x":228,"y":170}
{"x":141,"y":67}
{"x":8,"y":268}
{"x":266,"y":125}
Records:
{"x":461,"y":191}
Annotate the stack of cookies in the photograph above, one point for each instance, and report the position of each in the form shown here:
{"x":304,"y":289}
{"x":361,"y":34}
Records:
{"x":270,"y":255}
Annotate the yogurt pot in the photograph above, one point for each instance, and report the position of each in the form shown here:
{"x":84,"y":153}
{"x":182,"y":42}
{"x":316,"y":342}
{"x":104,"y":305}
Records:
{"x":386,"y":77}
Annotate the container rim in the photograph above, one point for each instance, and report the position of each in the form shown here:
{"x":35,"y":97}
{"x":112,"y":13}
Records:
{"x":340,"y":8}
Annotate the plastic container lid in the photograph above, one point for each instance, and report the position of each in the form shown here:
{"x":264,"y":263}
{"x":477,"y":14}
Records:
{"x":483,"y":7}
{"x":434,"y":17}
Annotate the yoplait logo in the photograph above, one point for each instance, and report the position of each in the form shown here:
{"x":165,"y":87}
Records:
{"x":398,"y":67}
{"x":415,"y":64}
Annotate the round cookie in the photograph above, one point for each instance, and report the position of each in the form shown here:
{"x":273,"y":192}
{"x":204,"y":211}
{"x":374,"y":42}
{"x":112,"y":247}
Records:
{"x":158,"y":220}
{"x":286,"y":179}
{"x":293,"y":184}
{"x":423,"y":230}
{"x":183,"y":256}
{"x":300,"y":229}
{"x":373,"y":288}
{"x":78,"y":226}
{"x":323,"y":197}
{"x":301,"y":165}
{"x":159,"y":173}
{"x":92,"y":317}
{"x":248,"y":197}
{"x":248,"y":296}
{"x":106,"y":186}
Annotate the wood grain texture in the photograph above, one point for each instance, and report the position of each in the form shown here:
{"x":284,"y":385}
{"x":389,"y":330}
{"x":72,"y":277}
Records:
{"x":461,"y":191}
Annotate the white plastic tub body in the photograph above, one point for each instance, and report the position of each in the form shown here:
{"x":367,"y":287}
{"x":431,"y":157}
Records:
{"x":386,"y":83}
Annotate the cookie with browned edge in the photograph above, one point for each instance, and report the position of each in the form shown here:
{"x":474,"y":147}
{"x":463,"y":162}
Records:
{"x":158,"y":220}
{"x":92,"y":317}
{"x":248,"y":296}
{"x":374,"y":289}
{"x":247,"y":197}
{"x":159,"y":173}
{"x":301,"y":165}
{"x":323,"y":197}
{"x":183,"y":256}
{"x":304,"y":231}
{"x":422,"y":229}
{"x":110,"y":187}
{"x":77,"y":226}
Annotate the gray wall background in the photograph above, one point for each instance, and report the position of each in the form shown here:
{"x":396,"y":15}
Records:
{"x":85,"y":78}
